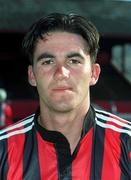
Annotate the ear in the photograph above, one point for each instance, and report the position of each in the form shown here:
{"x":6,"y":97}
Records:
{"x":95,"y":74}
{"x":31,"y":77}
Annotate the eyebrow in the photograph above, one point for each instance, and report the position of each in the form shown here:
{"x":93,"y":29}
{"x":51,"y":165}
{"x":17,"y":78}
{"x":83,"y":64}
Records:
{"x":45,"y":55}
{"x":49,"y":55}
{"x":75,"y":54}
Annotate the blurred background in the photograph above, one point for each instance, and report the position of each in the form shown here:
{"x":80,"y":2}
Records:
{"x":113,"y":20}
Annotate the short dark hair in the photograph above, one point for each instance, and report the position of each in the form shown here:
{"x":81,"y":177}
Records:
{"x":71,"y":23}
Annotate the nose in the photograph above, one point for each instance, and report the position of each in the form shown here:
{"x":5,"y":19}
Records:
{"x":61,"y":72}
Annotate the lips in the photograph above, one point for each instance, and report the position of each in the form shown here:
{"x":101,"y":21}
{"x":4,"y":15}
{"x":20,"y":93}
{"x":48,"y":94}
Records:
{"x":62,"y":88}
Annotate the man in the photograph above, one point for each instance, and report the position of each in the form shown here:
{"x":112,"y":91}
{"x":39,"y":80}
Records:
{"x":66,"y":139}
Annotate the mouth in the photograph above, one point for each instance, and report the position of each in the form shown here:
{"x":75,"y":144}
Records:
{"x":62,"y":89}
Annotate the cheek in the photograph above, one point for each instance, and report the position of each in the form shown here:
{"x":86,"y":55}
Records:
{"x":81,"y":81}
{"x":83,"y":75}
{"x":42,"y":73}
{"x":44,"y":80}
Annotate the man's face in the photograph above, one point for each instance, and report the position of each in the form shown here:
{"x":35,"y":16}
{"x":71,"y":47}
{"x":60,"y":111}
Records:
{"x":62,"y":71}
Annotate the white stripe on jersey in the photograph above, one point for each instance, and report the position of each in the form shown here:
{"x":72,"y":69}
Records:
{"x":17,"y":125}
{"x":21,"y":131}
{"x":107,"y":113}
{"x":13,"y":129}
{"x":104,"y":125}
{"x":107,"y":118}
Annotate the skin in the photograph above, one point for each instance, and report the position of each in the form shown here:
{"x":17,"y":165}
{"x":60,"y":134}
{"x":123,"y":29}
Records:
{"x":63,"y":73}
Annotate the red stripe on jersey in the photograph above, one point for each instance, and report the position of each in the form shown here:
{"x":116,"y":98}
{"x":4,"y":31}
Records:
{"x":11,"y":130}
{"x":114,"y":124}
{"x":82,"y":164}
{"x":130,"y":155}
{"x":47,"y":159}
{"x":118,"y":118}
{"x":111,"y":158}
{"x":15,"y":157}
{"x":119,"y":121}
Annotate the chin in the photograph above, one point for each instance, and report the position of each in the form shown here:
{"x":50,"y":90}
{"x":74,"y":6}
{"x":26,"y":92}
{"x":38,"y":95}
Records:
{"x":62,"y":107}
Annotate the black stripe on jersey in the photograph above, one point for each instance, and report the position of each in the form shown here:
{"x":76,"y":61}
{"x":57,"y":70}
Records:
{"x":125,"y":159}
{"x":102,"y":112}
{"x":62,"y":148}
{"x":28,"y":124}
{"x":97,"y":153}
{"x":30,"y":157}
{"x":126,"y":128}
{"x":3,"y":160}
{"x":64,"y":160}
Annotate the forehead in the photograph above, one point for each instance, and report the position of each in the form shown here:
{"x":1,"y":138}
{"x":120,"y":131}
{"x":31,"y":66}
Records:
{"x":60,"y":40}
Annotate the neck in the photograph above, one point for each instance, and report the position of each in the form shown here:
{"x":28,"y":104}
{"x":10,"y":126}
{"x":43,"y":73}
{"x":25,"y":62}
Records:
{"x":69,"y":124}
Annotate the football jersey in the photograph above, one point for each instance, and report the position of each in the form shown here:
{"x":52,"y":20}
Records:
{"x":30,"y":152}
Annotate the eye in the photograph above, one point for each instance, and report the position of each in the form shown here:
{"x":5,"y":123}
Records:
{"x":74,"y":61}
{"x":47,"y":61}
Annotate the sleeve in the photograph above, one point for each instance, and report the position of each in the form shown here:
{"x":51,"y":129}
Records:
{"x":3,"y":159}
{"x":129,"y":147}
{"x":125,"y":160}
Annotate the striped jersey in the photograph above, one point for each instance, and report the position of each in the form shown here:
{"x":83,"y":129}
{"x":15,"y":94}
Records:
{"x":30,"y":152}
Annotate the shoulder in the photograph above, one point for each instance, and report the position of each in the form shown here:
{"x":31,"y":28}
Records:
{"x":20,"y":127}
{"x":114,"y":122}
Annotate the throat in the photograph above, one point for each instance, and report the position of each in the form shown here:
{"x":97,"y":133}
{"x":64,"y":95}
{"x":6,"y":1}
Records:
{"x":71,"y":129}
